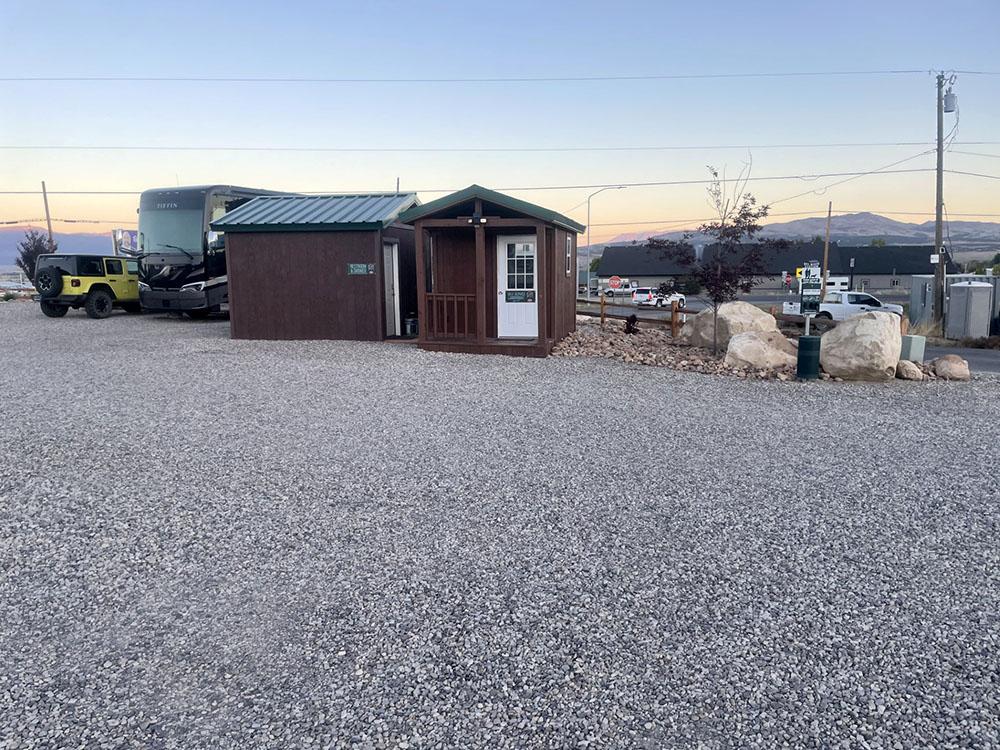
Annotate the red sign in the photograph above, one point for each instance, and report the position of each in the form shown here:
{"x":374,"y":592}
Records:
{"x":615,"y":282}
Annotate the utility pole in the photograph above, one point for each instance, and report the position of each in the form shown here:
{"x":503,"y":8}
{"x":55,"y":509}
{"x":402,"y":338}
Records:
{"x":946,"y":102}
{"x":939,"y":271}
{"x":48,"y":219}
{"x":826,"y":252}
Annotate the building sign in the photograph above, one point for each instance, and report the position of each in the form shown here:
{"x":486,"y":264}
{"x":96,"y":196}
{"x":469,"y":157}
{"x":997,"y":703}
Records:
{"x":360,"y":269}
{"x":935,"y":258}
{"x":519,"y":296}
{"x":811,"y":286}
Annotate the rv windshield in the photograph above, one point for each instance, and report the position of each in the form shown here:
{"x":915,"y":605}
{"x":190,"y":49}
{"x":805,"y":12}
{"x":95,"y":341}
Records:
{"x":183,"y":228}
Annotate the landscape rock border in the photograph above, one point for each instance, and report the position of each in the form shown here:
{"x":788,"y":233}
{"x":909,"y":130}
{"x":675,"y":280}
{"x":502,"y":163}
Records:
{"x":653,"y":346}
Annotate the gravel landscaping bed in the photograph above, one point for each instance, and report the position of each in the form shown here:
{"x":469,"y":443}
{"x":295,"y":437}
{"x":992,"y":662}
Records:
{"x":217,"y":543}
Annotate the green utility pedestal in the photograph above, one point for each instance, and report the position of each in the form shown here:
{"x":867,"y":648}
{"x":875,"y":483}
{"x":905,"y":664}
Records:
{"x":808,"y":364}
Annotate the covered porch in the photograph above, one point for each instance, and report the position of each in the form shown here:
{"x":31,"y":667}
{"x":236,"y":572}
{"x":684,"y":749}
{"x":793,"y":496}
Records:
{"x":488,"y":280}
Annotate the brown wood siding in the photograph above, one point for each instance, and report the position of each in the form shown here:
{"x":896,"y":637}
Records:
{"x":454,"y":257}
{"x":564,"y":297}
{"x":295,"y":285}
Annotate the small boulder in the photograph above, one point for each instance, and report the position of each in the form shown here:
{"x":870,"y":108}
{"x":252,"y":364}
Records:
{"x":863,"y":347}
{"x":734,"y":318}
{"x":906,"y":370}
{"x":951,"y":367}
{"x":762,"y":350}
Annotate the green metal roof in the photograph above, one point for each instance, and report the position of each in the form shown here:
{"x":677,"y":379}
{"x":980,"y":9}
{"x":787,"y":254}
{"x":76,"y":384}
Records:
{"x":490,"y":196}
{"x":330,"y":213}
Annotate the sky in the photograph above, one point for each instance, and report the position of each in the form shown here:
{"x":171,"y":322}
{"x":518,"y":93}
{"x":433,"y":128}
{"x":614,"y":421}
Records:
{"x":513,"y":39}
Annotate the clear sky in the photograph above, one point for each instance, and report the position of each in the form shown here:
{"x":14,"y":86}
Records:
{"x":374,"y":39}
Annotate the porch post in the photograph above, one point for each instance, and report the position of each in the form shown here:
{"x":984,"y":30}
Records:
{"x":481,"y":300}
{"x":541,"y":280}
{"x":418,"y":238}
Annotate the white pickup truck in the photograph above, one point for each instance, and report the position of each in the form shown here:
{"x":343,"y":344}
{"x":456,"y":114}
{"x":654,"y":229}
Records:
{"x":842,"y":305}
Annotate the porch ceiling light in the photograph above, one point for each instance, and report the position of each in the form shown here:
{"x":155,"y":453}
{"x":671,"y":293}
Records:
{"x":477,"y":219}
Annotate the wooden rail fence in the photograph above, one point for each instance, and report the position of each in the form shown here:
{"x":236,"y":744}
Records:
{"x":451,"y":316}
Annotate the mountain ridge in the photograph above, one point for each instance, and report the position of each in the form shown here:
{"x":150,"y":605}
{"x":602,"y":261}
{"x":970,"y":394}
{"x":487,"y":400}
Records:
{"x":859,"y":228}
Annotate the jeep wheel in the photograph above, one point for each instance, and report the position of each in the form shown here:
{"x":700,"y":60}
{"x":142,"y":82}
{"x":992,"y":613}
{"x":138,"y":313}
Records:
{"x":99,"y":304}
{"x":48,"y":282}
{"x":52,"y":309}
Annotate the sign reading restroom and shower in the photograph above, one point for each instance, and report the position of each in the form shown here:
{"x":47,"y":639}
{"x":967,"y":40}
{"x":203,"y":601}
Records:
{"x":360,"y":269}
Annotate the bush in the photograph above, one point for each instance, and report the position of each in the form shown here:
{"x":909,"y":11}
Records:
{"x":8,"y":296}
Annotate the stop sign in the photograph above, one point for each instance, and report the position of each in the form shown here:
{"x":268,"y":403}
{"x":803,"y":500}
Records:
{"x":615,"y":282}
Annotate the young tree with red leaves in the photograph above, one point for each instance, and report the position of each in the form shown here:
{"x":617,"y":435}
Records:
{"x":734,"y":261}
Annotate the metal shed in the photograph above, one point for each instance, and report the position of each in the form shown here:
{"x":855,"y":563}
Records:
{"x":320,"y":266}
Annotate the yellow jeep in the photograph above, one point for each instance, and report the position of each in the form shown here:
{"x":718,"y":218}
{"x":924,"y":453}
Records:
{"x":97,"y":283}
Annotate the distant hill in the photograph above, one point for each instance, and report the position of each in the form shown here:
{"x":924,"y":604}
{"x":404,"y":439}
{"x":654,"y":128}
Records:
{"x":861,"y":229}
{"x":70,"y":242}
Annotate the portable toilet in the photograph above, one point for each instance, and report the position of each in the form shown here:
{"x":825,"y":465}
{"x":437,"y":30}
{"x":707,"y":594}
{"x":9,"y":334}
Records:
{"x":969,"y":310}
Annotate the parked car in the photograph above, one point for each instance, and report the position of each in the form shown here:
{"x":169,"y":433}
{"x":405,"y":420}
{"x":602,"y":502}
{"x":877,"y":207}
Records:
{"x":97,"y":283}
{"x":842,"y":305}
{"x":646,"y":296}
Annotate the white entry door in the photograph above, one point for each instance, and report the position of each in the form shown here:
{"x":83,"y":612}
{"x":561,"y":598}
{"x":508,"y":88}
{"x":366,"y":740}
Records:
{"x":517,"y":287}
{"x":390,"y":266}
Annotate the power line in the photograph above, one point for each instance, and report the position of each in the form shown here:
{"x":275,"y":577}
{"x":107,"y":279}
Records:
{"x":487,"y":79}
{"x":974,"y":153}
{"x":885,"y":169}
{"x":469,"y":149}
{"x":525,"y":188}
{"x":70,"y":221}
{"x":973,"y":174}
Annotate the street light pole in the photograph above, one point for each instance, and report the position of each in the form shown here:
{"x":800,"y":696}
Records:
{"x":590,"y":250}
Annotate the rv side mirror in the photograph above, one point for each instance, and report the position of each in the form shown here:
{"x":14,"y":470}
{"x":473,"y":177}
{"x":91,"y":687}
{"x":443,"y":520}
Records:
{"x":216,"y":241}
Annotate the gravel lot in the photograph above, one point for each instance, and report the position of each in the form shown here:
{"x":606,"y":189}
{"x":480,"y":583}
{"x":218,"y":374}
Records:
{"x":216,"y":543}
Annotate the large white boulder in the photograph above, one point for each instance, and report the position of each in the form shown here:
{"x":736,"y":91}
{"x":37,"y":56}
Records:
{"x":761,"y":350}
{"x":864,"y":347}
{"x":734,"y":318}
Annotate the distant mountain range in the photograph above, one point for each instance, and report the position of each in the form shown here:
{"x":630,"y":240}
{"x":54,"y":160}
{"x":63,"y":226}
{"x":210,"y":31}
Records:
{"x":861,"y":229}
{"x":74,"y":242}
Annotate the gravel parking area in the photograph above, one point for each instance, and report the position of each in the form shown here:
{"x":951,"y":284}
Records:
{"x":217,"y":543}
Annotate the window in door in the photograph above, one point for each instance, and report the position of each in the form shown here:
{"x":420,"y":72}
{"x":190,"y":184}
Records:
{"x":520,"y":266}
{"x":114,"y":267}
{"x":132,"y":266}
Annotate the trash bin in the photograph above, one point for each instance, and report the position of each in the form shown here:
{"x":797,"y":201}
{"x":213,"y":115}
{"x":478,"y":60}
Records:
{"x":808,"y":362}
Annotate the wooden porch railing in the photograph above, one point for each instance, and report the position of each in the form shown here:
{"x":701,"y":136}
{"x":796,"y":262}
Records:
{"x":451,"y":316}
